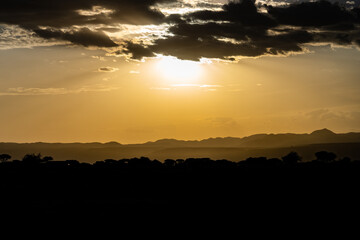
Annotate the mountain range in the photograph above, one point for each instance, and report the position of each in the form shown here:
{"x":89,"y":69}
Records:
{"x":231,"y":148}
{"x":265,"y":140}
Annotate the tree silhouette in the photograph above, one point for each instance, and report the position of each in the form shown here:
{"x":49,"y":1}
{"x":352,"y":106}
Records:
{"x":170,"y":162}
{"x":291,"y":158}
{"x":32,"y":158}
{"x":325,"y":156}
{"x":47,"y":158}
{"x":4,"y":157}
{"x":36,"y":158}
{"x":180,"y":161}
{"x":256,"y":160}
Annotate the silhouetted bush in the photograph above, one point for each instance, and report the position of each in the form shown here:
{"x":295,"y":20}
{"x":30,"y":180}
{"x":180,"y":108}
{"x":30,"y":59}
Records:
{"x":169,"y":163}
{"x":4,"y":157}
{"x":47,"y":158}
{"x":325,"y":156}
{"x":110,"y":161}
{"x":275,"y":161}
{"x":179,"y":162}
{"x":32,"y":158}
{"x":225,"y":164}
{"x":345,"y":160}
{"x":256,"y":161}
{"x":291,"y":158}
{"x":72,"y":162}
{"x":198,"y":162}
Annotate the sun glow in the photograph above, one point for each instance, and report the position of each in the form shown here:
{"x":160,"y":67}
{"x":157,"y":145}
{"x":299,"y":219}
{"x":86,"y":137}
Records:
{"x":179,"y":71}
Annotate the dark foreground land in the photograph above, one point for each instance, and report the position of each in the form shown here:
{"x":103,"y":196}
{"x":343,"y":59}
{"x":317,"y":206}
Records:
{"x":141,"y":192}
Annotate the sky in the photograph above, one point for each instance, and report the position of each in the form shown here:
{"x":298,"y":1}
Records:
{"x":134,"y":71}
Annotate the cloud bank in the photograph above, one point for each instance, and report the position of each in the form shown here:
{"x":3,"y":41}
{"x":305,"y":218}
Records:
{"x":48,"y":19}
{"x":67,"y":13}
{"x":247,"y":29}
{"x":242,"y":28}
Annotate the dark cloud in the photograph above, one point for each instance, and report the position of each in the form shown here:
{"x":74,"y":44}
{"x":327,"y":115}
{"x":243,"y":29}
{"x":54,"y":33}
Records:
{"x":64,"y":13}
{"x":240,"y":29}
{"x":334,"y":37}
{"x":313,"y":14}
{"x":84,"y":37}
{"x":286,"y":42}
{"x":244,"y":12}
{"x":175,"y":19}
{"x":55,"y":15}
{"x":212,"y":29}
{"x":327,"y":22}
{"x":340,"y":27}
{"x":192,"y":48}
{"x":137,"y":51}
{"x":357,"y":42}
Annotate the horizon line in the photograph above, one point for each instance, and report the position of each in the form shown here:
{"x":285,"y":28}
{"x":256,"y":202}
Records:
{"x":189,"y":140}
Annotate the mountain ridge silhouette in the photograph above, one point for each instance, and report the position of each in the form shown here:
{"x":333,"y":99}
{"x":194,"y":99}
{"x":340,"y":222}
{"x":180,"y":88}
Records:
{"x":316,"y":134}
{"x":230,"y":148}
{"x":266,"y":140}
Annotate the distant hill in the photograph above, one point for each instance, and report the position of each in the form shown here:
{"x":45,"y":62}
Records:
{"x":265,"y":140}
{"x":231,"y":148}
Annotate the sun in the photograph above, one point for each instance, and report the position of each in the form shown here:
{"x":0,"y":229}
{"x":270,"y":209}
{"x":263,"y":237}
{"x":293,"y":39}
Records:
{"x":179,"y":71}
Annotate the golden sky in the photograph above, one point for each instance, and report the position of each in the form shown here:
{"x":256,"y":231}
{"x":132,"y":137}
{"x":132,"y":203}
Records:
{"x":126,"y":82}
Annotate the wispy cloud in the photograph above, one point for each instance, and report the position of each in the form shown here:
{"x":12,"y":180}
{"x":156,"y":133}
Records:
{"x":12,"y":36}
{"x":108,"y":69}
{"x":99,"y":57}
{"x":21,"y":91}
{"x":34,"y":91}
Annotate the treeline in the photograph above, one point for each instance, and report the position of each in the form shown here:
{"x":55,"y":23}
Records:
{"x":196,"y":189}
{"x":291,"y":159}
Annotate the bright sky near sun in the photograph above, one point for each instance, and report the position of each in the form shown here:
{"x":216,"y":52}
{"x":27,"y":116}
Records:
{"x":161,"y":76}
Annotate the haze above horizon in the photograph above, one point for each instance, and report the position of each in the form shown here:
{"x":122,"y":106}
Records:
{"x":139,"y":71}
